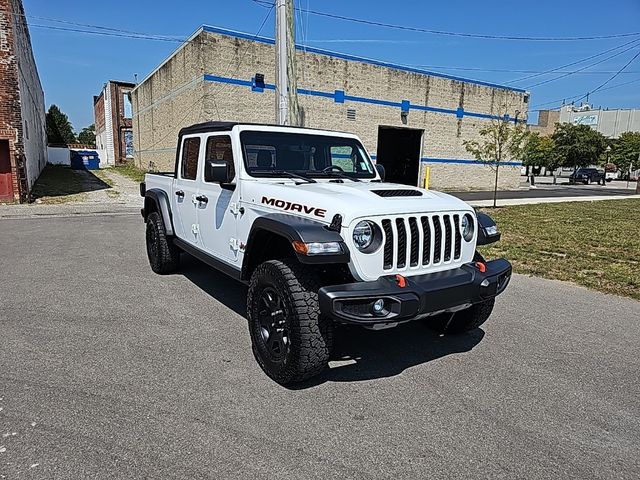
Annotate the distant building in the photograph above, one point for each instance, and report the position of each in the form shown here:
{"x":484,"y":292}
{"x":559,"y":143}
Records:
{"x":547,"y":120}
{"x":408,"y":118}
{"x":610,"y":123}
{"x":112,"y":111}
{"x":23,"y":137}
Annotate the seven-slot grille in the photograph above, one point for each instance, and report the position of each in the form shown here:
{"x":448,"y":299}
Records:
{"x":421,"y":240}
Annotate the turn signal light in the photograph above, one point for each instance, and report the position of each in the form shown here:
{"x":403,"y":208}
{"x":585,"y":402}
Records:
{"x":316,"y":248}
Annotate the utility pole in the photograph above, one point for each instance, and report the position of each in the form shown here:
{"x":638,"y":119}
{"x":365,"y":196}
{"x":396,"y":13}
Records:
{"x":287,"y":108}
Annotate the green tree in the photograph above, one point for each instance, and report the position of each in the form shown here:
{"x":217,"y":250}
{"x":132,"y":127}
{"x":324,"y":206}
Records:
{"x":501,"y":141}
{"x":626,"y":151}
{"x":540,"y":151}
{"x":59,"y":128}
{"x":87,"y":135}
{"x":578,"y":145}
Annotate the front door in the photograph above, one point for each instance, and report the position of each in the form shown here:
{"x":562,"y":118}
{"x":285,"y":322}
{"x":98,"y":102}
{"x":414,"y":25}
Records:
{"x":185,"y":191}
{"x":217,"y":215}
{"x":6,"y":179}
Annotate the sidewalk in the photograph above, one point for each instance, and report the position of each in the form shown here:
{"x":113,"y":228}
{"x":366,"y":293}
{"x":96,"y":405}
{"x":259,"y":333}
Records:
{"x":530,"y":201}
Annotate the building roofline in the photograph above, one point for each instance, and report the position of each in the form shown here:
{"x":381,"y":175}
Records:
{"x":122,"y":82}
{"x":197,"y":32}
{"x":328,"y":53}
{"x":355,"y":58}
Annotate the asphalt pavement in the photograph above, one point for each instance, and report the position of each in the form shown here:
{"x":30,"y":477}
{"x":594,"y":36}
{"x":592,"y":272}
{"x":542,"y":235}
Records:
{"x":110,"y":371}
{"x":549,"y":191}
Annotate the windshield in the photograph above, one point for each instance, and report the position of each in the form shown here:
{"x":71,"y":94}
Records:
{"x":268,"y":154}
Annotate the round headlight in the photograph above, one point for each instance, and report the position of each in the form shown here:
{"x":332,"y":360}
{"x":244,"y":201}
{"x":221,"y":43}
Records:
{"x":467,"y":227}
{"x":363,"y":235}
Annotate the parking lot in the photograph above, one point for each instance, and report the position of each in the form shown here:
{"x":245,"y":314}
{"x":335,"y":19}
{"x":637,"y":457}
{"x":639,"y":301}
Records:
{"x":108,"y":370}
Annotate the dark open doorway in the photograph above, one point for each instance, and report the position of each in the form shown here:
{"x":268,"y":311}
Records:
{"x":6,"y":180}
{"x":399,"y":154}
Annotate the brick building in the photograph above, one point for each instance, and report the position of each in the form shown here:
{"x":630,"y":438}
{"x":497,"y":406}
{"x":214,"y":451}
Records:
{"x":112,"y":111}
{"x":23,"y":144}
{"x":405,"y":116}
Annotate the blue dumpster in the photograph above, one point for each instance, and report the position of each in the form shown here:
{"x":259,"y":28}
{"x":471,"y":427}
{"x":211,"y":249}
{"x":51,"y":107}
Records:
{"x":85,"y":160}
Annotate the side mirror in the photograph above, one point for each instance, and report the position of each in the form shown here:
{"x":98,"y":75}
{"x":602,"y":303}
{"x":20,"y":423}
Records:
{"x":216,"y":171}
{"x":381,"y":171}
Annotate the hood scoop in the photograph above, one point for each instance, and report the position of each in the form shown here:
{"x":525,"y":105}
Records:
{"x":397,"y":193}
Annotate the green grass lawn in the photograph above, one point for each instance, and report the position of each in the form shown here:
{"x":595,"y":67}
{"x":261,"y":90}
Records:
{"x":595,"y":244}
{"x":130,"y":170}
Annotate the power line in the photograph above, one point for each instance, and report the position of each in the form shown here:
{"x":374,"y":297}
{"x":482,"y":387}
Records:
{"x":508,"y":70}
{"x":576,"y":62}
{"x":543,"y":82}
{"x":107,"y":34}
{"x":617,"y":73}
{"x":580,"y":95}
{"x":456,"y":34}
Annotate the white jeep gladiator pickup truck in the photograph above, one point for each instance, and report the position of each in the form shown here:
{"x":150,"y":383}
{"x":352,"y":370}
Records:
{"x":303,"y":217}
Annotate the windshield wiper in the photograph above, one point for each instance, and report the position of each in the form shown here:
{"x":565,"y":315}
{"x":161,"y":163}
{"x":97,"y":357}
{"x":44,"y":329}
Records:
{"x":338,"y":174}
{"x":285,"y":173}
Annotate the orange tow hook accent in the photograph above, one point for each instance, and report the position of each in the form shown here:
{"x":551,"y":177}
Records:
{"x":402,"y":282}
{"x":481,"y":266}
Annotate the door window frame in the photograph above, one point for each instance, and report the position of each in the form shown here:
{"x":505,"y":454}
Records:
{"x":199,"y":168}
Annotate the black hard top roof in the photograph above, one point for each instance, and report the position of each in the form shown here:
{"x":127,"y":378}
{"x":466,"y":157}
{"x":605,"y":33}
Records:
{"x":226,"y":126}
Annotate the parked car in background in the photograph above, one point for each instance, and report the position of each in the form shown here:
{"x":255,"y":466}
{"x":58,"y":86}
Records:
{"x":587,"y":176}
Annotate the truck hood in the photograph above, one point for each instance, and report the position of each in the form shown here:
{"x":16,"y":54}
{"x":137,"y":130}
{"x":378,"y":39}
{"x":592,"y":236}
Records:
{"x":322,"y":200}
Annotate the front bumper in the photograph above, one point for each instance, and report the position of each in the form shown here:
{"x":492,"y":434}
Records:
{"x":422,"y":295}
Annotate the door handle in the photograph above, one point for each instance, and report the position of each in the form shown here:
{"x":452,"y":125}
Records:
{"x":202,"y":198}
{"x":180,"y":193}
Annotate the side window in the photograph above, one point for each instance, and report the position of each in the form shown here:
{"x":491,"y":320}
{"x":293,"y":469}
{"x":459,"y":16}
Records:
{"x":190,"y":151}
{"x":219,"y":150}
{"x":344,"y":158}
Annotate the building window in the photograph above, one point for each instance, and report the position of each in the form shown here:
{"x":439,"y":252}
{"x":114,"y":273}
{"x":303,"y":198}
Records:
{"x":190,"y":151}
{"x":126,"y":101}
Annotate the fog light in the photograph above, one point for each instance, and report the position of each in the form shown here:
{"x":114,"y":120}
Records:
{"x":378,"y":306}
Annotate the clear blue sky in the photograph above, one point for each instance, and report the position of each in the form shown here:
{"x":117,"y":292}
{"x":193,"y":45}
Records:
{"x":74,"y":66}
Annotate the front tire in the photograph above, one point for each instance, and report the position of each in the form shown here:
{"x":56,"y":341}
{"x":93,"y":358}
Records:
{"x":164,"y":257}
{"x":291,"y":341}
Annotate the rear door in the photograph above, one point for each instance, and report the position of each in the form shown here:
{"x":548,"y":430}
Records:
{"x":217,"y":213}
{"x":185,"y":190}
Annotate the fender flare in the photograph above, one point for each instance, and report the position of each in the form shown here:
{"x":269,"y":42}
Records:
{"x":161,"y":200}
{"x":484,"y":222}
{"x":293,"y":228}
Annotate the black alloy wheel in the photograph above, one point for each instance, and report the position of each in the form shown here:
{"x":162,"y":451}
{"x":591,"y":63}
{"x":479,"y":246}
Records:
{"x":272,"y":316}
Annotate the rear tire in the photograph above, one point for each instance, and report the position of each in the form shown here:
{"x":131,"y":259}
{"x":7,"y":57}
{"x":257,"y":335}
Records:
{"x":164,"y":257}
{"x":291,"y":341}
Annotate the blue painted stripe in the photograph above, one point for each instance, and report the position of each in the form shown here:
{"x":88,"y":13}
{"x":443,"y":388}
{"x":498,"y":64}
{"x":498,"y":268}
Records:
{"x":462,"y":161}
{"x":233,"y":81}
{"x":354,"y":58}
{"x":339,"y":96}
{"x":465,"y":161}
{"x":315,"y":93}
